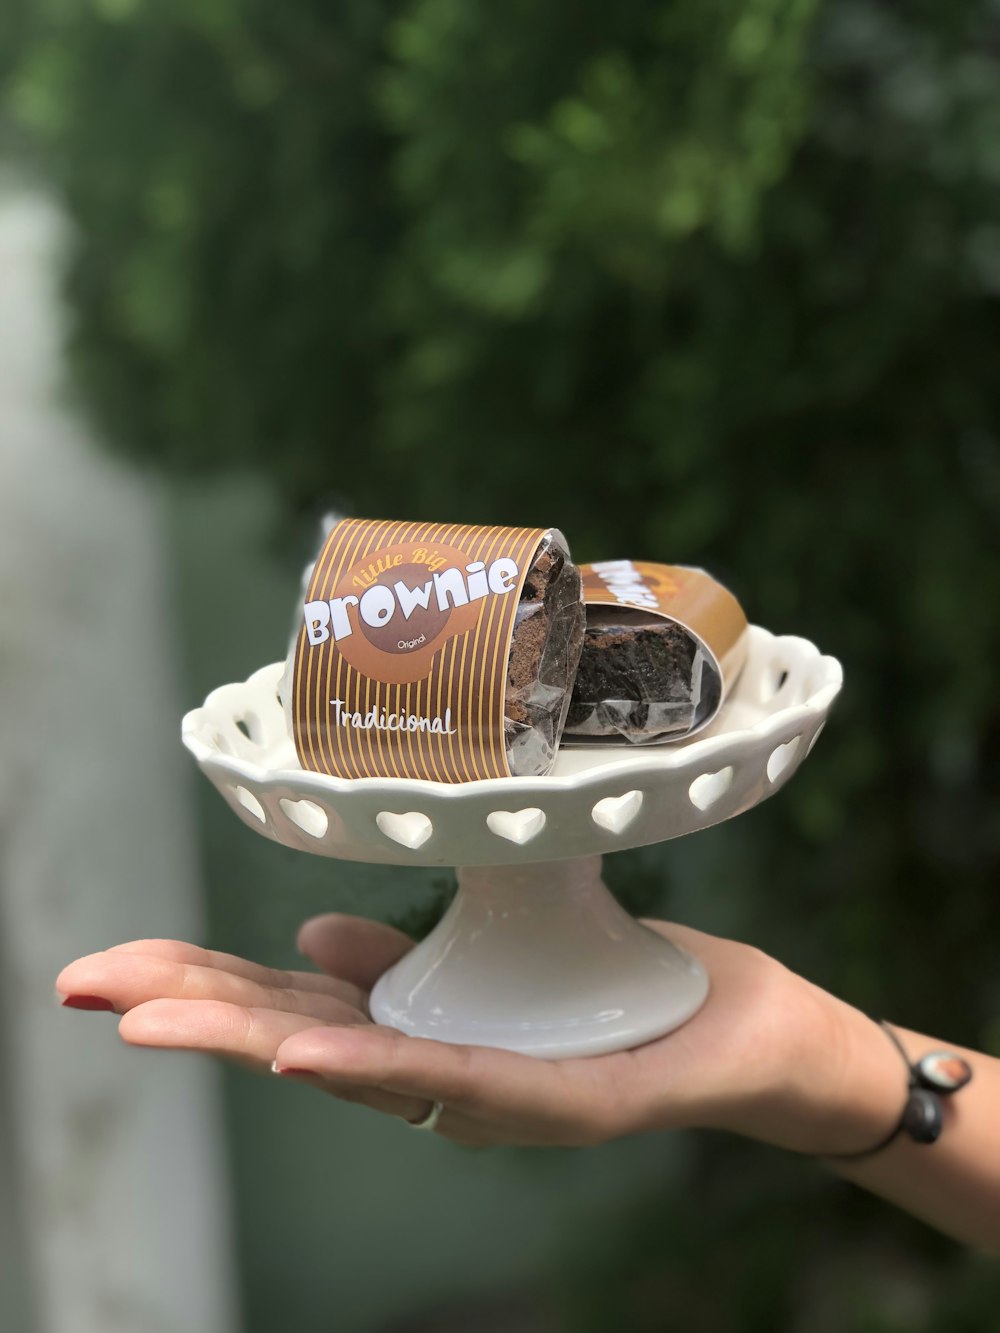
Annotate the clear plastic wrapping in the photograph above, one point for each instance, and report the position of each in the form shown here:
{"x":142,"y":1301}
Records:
{"x":544,"y":653}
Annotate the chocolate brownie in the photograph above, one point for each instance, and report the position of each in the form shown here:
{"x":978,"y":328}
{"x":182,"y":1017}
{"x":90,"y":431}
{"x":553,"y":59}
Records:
{"x":640,"y":679}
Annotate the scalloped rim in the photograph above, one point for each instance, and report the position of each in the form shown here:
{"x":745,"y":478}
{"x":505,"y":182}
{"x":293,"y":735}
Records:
{"x":630,"y":764}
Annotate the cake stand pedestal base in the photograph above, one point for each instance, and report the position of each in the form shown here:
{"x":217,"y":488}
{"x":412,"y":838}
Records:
{"x":540,"y":959}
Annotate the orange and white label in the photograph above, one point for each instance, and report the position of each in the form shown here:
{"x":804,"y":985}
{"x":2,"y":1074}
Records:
{"x":401,"y":660}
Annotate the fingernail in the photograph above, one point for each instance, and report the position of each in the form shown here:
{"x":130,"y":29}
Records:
{"x":290,"y":1071}
{"x":96,"y":1002}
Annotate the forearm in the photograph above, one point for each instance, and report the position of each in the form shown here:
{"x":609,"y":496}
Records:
{"x":953,"y":1184}
{"x":812,"y":1074}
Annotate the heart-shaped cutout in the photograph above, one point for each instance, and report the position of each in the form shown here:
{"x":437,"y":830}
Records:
{"x":709,"y":787}
{"x":249,"y":802}
{"x":518,"y":826}
{"x":249,"y":726}
{"x":781,"y":757}
{"x":615,"y":813}
{"x":772,"y":682}
{"x":310,"y":817}
{"x":410,"y":830}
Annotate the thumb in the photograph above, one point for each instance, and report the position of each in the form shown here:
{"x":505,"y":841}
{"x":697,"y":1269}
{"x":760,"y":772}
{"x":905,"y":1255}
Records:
{"x":351,"y":947}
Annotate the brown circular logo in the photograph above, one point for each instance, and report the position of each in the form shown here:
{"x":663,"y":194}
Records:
{"x":401,"y":633}
{"x":394,"y":598}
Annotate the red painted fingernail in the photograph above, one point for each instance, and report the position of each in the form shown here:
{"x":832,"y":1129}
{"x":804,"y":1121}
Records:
{"x":289,"y":1071}
{"x":88,"y":1002}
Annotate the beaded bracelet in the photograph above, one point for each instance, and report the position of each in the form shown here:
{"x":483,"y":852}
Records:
{"x":934,"y":1076}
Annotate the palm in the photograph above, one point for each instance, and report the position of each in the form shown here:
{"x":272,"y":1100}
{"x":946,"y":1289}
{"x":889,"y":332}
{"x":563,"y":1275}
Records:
{"x":317,"y":1026}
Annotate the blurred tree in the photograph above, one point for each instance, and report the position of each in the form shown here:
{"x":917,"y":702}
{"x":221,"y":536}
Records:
{"x":713,"y":283}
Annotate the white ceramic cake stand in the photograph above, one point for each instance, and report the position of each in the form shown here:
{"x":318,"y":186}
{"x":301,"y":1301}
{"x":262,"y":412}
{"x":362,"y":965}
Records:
{"x":534,"y":954}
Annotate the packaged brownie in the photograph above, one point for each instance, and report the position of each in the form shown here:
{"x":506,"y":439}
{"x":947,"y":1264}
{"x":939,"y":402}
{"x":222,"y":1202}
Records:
{"x":441,"y":651}
{"x":663,"y":644}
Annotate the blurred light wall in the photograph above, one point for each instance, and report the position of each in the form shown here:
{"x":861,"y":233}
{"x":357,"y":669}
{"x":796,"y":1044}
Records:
{"x":114,"y":1203}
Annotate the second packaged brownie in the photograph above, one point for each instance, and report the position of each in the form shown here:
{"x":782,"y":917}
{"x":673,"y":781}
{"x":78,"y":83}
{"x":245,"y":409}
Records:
{"x":662,"y":646}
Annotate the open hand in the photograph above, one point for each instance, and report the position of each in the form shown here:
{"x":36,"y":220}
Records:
{"x":769,"y":1055}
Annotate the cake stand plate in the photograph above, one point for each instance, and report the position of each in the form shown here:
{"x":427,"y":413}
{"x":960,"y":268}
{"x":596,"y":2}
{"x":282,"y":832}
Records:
{"x":534,"y":954}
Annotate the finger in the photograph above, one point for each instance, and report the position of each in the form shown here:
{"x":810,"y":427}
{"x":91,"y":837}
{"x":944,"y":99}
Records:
{"x":177,"y":951}
{"x":247,"y":1034}
{"x":252,"y":1037}
{"x":126,"y":980}
{"x":528,"y":1096}
{"x":352,"y":947}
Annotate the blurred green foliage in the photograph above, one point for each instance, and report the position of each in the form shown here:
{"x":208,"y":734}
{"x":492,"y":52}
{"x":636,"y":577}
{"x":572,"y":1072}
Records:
{"x":715,"y":283}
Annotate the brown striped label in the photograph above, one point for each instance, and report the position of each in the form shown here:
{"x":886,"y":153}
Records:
{"x":401,"y":660}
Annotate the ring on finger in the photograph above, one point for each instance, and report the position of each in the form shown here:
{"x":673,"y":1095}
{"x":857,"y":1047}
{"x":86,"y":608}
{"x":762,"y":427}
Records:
{"x":429,"y":1121}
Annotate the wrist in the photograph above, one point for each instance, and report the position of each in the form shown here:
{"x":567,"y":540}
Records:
{"x":868,"y":1091}
{"x":932,"y":1079}
{"x":833,"y":1088}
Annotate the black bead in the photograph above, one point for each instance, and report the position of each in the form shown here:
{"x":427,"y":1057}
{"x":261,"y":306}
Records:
{"x":922,"y":1118}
